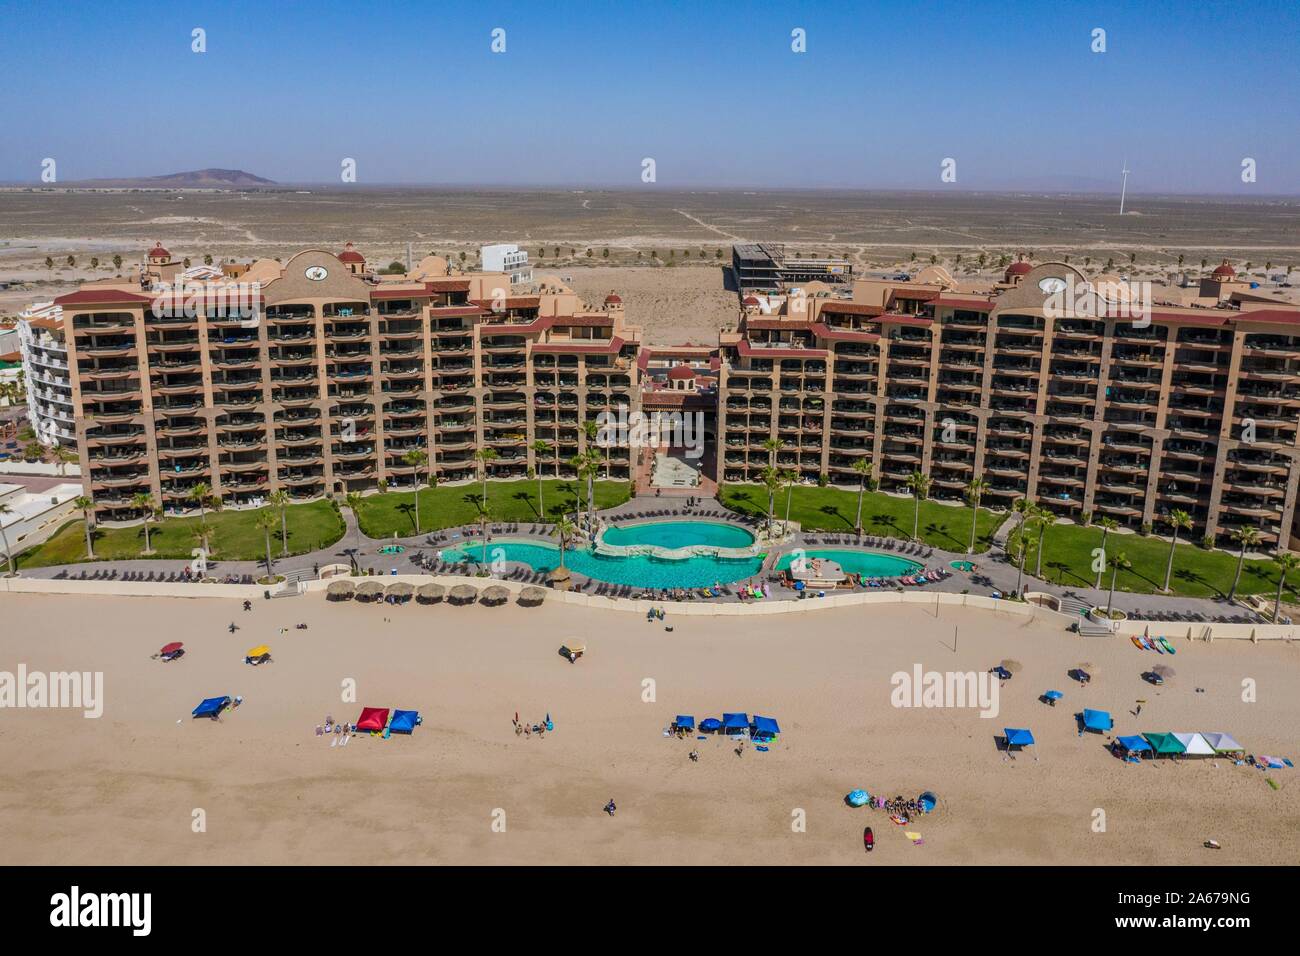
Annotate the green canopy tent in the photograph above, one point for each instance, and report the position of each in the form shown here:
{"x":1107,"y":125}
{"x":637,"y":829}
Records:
{"x":1165,"y":745}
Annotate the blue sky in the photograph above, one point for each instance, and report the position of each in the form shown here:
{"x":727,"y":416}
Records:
{"x":711,"y":91}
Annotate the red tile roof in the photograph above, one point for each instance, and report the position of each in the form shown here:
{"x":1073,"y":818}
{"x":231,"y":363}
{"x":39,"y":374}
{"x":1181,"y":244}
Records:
{"x":94,"y":296}
{"x":447,"y":285}
{"x":851,"y":308}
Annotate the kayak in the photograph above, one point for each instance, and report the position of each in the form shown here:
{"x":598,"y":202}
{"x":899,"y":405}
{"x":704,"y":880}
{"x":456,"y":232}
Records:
{"x":1167,"y":646}
{"x":1138,"y":642}
{"x":868,"y":839}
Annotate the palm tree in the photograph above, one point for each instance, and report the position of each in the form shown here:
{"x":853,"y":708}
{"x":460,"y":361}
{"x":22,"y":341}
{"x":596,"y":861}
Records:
{"x":591,"y":429}
{"x":280,"y":499}
{"x":772,"y":446}
{"x":791,"y":478}
{"x":564,"y":529}
{"x":266,"y":524}
{"x":862,"y":468}
{"x":144,"y":503}
{"x":1107,"y":525}
{"x":4,"y":538}
{"x":203,"y":534}
{"x":1118,"y":563}
{"x":1176,"y":519}
{"x":771,"y":478}
{"x":540,"y":448}
{"x":1028,"y":512}
{"x":86,"y":505}
{"x":199,"y":494}
{"x":588,"y":467}
{"x":919,"y":484}
{"x":484,"y":457}
{"x":416,"y":458}
{"x":1286,"y":562}
{"x":975,"y":489}
{"x":1045,"y":520}
{"x":1247,"y":537}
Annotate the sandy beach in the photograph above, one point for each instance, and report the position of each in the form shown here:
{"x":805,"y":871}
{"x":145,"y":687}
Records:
{"x":123,"y":788}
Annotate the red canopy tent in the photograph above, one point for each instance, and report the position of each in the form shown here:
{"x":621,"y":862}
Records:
{"x":373,"y":718}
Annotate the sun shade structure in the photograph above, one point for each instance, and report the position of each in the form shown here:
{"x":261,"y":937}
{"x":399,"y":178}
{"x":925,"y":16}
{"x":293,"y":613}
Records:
{"x":1166,"y":744}
{"x":401,"y":591}
{"x":1223,"y":743}
{"x":735,"y":723}
{"x":430,"y":593}
{"x":211,"y":707}
{"x":171,"y":648}
{"x":1194,"y":745}
{"x":532,"y":595}
{"x":684,"y":722}
{"x":369,"y":590}
{"x":928,"y":801}
{"x":1134,"y":745}
{"x":858,"y":798}
{"x":404,"y":721}
{"x":340,"y":590}
{"x":373,"y":718}
{"x":1097,"y":721}
{"x":462,"y":594}
{"x":710,"y":725}
{"x":496,"y":594}
{"x":1019,"y":736}
{"x":766,"y":727}
{"x":1053,"y":695}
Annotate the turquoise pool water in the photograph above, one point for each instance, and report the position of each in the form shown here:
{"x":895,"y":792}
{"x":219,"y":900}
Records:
{"x":868,"y":563}
{"x":637,"y":571}
{"x":680,"y":534}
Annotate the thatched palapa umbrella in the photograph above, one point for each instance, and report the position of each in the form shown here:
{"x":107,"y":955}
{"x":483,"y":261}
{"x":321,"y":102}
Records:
{"x":401,"y":591}
{"x":369,"y":590}
{"x":462,"y":594}
{"x":340,"y":590}
{"x":430,"y":593}
{"x":496,"y":594}
{"x":532,"y":595}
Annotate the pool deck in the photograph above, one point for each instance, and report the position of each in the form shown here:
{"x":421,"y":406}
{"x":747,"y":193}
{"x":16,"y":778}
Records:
{"x":994,"y":569}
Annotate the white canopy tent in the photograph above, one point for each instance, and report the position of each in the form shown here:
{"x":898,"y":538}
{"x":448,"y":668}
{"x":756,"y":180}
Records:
{"x":1223,"y":743}
{"x":1196,"y":744}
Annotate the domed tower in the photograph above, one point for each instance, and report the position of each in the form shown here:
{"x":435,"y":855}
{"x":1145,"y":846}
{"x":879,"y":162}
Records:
{"x":1215,"y":285}
{"x":158,"y":256}
{"x":1017,"y":271}
{"x":614,"y":303}
{"x":355,"y":261}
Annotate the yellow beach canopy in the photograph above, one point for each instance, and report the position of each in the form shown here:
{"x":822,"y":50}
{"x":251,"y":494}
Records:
{"x":259,"y":651}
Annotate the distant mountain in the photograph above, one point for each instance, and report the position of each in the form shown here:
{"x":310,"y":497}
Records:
{"x":196,"y":179}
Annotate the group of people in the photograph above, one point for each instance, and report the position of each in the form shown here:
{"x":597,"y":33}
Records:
{"x":330,"y":727}
{"x":900,"y":807}
{"x":528,"y":730}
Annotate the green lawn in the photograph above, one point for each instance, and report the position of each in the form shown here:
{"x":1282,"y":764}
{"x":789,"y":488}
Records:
{"x":235,"y":537}
{"x":393,"y":512}
{"x":830,"y":509}
{"x":1067,"y":560}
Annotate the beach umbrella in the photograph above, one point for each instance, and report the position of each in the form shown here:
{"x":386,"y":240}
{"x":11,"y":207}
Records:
{"x":1013,"y":666}
{"x":496,"y":594}
{"x":368,"y":590}
{"x":430,"y":593}
{"x":532,"y":595}
{"x":1053,"y":695}
{"x":340,"y":590}
{"x":171,"y":648}
{"x":462,"y":594}
{"x":401,"y":590}
{"x":258,"y":651}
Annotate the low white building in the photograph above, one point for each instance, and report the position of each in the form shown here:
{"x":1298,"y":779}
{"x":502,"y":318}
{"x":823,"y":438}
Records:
{"x":49,"y":383}
{"x":33,"y":515}
{"x":507,"y":257}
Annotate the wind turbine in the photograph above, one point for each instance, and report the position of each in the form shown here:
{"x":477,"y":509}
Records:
{"x":1123,"y":189}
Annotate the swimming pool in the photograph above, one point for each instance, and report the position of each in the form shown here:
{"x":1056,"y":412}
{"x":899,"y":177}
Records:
{"x":637,"y":570}
{"x":869,"y":564}
{"x":671,"y":535}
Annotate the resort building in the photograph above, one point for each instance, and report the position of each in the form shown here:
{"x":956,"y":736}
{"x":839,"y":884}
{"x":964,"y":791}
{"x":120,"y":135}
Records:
{"x":507,"y":258}
{"x":338,"y":379}
{"x":44,"y":353}
{"x":1189,"y":408}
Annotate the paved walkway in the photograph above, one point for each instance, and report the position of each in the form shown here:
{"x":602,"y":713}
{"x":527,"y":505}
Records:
{"x":995,"y":571}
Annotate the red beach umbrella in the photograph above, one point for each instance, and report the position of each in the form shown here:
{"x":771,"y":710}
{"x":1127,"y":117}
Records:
{"x":171,"y":648}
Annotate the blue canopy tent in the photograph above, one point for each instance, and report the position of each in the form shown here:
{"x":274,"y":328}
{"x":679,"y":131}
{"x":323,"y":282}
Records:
{"x":684,"y":722}
{"x":404,"y":721}
{"x":1018,"y":737}
{"x":857,"y":798}
{"x":211,"y":707}
{"x":1002,"y":672}
{"x":710,"y":725}
{"x":733,"y":724}
{"x":1133,"y":746}
{"x":1098,"y":721}
{"x":1052,"y":696}
{"x":765,"y":728}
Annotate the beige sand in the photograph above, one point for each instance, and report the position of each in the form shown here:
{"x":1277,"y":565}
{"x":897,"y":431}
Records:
{"x":122,"y":789}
